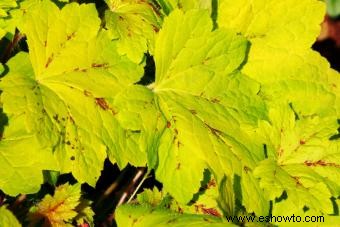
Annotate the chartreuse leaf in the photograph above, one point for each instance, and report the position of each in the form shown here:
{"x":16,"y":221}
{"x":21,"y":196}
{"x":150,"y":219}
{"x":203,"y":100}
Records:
{"x":189,"y":56}
{"x":286,"y":30}
{"x":142,"y":126}
{"x":22,"y":159}
{"x":186,"y":4}
{"x":332,"y":82}
{"x":5,"y":6}
{"x":15,"y":16}
{"x":204,"y":202}
{"x":7,"y":218}
{"x":134,"y":24}
{"x":85,"y":213}
{"x":68,"y":83}
{"x":61,"y":208}
{"x":281,"y":34}
{"x":302,"y":162}
{"x":211,"y":110}
{"x":313,"y":93}
{"x":150,"y":197}
{"x":146,"y":216}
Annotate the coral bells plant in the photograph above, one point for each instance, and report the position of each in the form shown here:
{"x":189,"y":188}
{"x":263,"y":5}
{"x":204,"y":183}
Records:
{"x":222,"y":105}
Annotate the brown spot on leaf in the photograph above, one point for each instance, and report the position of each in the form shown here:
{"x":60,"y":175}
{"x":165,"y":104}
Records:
{"x":178,"y":166}
{"x":68,"y":143}
{"x":71,"y":119}
{"x":178,"y":144}
{"x":297,"y":180}
{"x":113,"y":111}
{"x":321,"y":163}
{"x":206,"y":220}
{"x":171,"y":221}
{"x":194,"y":112}
{"x":246,"y":169}
{"x":168,"y":124}
{"x":96,"y":65}
{"x":73,"y":158}
{"x":156,"y":29}
{"x":71,"y":36}
{"x":214,"y":131}
{"x":211,"y":211}
{"x":55,"y":117}
{"x":215,"y":100}
{"x":87,"y":93}
{"x":302,"y":142}
{"x":102,"y":103}
{"x":45,"y":43}
{"x":49,"y":60}
{"x":211,"y":183}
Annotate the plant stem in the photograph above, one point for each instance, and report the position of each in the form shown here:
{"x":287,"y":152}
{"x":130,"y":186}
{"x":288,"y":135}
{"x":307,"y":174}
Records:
{"x":111,"y":188}
{"x":140,"y":172}
{"x":146,"y":175}
{"x":9,"y":49}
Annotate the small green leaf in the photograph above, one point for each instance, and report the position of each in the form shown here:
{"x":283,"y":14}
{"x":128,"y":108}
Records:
{"x":333,"y":8}
{"x":85,"y":213}
{"x":150,"y":197}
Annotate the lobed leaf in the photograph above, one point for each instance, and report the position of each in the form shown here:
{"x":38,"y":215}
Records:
{"x":22,"y":158}
{"x":134,"y":24}
{"x":301,"y":161}
{"x":68,"y":87}
{"x":189,"y":59}
{"x":61,"y":208}
{"x":281,"y":34}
